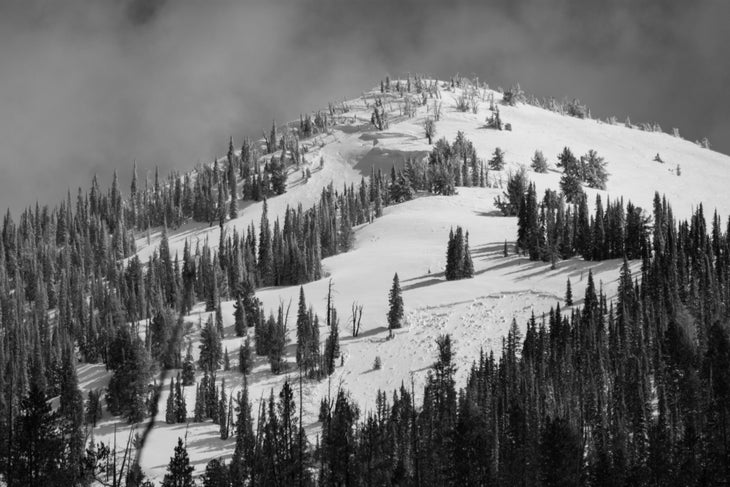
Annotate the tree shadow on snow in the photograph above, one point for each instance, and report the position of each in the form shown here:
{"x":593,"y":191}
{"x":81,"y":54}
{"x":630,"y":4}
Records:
{"x":365,"y":334}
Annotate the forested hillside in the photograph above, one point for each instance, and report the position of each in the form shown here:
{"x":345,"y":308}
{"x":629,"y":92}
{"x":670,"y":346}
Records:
{"x":435,"y":283}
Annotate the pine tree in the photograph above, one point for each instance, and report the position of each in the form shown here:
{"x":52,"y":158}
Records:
{"x":539,"y":163}
{"x":568,"y":295}
{"x":188,"y":368}
{"x":242,"y":462}
{"x":93,"y":407}
{"x":459,"y":264}
{"x":303,"y":329}
{"x":37,"y":446}
{"x":170,"y":411}
{"x":239,"y":315}
{"x":181,"y":408}
{"x":71,"y":408}
{"x":179,"y":471}
{"x":244,"y":357}
{"x":450,"y":272}
{"x":233,"y":190}
{"x":216,"y":474}
{"x":430,"y":127}
{"x":199,"y":411}
{"x":265,"y":260}
{"x":223,"y":412}
{"x":127,"y":389}
{"x":277,"y":342}
{"x":210,"y":347}
{"x":468,"y":270}
{"x":395,"y":303}
{"x":332,"y":344}
{"x":496,"y":163}
{"x":594,"y":169}
{"x":560,"y":454}
{"x":571,"y":187}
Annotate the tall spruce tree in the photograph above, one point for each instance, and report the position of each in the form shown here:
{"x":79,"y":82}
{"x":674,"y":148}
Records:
{"x":232,"y":181}
{"x":179,"y":471}
{"x":210,"y":347}
{"x":395,"y":306}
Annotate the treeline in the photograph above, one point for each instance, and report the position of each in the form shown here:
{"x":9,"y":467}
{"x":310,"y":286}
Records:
{"x":628,"y":392}
{"x":211,"y":193}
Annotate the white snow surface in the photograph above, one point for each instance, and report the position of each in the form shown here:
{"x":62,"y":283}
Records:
{"x":410,"y":239}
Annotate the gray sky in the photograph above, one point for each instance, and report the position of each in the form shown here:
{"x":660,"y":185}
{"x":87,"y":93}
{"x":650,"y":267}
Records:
{"x":87,"y":86}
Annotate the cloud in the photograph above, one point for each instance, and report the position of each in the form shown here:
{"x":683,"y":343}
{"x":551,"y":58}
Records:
{"x":87,"y":86}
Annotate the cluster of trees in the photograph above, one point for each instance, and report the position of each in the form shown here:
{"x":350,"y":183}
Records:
{"x":451,"y":165}
{"x":458,"y":256}
{"x":211,"y":193}
{"x":589,"y":170}
{"x":556,"y":227}
{"x":176,"y":410}
{"x":447,"y":166}
{"x":552,"y":229}
{"x":411,"y":84}
{"x":272,"y":451}
{"x":628,"y":392}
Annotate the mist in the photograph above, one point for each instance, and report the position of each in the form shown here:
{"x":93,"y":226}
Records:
{"x":89,"y":86}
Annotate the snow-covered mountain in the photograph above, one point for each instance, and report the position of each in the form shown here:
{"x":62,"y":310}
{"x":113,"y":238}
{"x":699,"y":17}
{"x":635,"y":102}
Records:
{"x":410,"y":239}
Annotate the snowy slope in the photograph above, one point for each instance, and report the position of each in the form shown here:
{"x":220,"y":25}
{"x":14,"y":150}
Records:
{"x":411,"y":239}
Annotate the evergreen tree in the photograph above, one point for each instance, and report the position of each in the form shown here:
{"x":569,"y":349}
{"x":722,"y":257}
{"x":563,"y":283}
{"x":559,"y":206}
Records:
{"x":181,"y":408}
{"x":459,"y":264}
{"x":265,"y":260}
{"x":245,"y":359}
{"x":242,"y":462}
{"x":332,"y":344}
{"x":568,"y":294}
{"x":93,"y":407}
{"x":303,"y":329}
{"x":239,"y":315}
{"x":277,"y":342}
{"x":571,"y":187}
{"x":216,"y":474}
{"x":430,"y":127}
{"x":188,"y":368}
{"x":127,"y":389}
{"x":395,"y":304}
{"x":223,"y":412}
{"x":496,"y":163}
{"x":71,"y":408}
{"x":170,"y":411}
{"x":179,"y":471}
{"x":538,"y":163}
{"x":232,"y":181}
{"x":594,"y":170}
{"x":37,"y":449}
{"x":468,"y":269}
{"x":560,"y":454}
{"x":210,"y":347}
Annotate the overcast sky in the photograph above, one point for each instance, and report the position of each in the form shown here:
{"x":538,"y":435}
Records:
{"x":87,"y":86}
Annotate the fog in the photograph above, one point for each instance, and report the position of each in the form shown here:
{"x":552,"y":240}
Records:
{"x":87,"y":86}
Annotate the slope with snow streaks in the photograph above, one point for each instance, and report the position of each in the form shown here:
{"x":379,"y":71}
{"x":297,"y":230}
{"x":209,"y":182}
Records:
{"x":411,"y":239}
